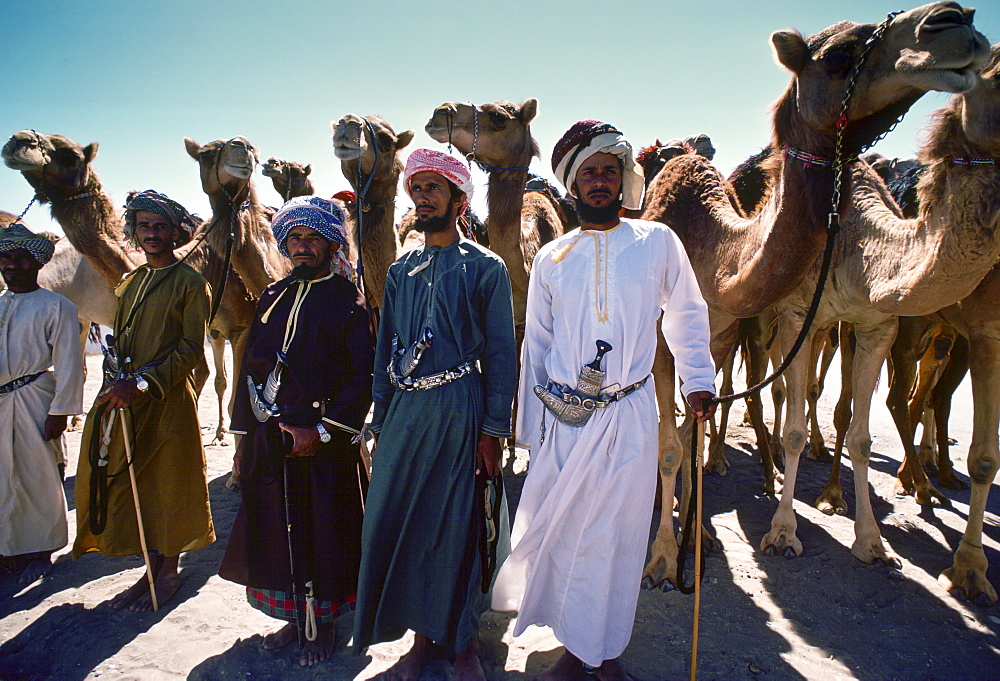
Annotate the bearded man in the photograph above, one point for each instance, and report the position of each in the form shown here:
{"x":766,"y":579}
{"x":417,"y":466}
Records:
{"x":149,"y":397}
{"x":443,"y":387}
{"x":313,"y":342}
{"x":595,"y":294}
{"x":39,"y":331}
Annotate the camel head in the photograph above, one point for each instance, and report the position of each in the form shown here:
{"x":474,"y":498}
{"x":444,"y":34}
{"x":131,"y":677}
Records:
{"x":226,"y":165}
{"x":352,"y":140}
{"x":933,"y":47}
{"x":56,"y":166}
{"x":980,"y":108}
{"x":654,"y":157}
{"x":290,"y":179}
{"x":495,"y":134}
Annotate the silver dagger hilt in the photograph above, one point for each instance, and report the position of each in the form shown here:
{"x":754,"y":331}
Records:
{"x":273,"y":382}
{"x":410,"y":357}
{"x":591,"y":375}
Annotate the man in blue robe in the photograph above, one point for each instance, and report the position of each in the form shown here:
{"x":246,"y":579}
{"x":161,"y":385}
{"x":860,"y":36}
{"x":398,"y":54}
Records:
{"x":445,"y":372}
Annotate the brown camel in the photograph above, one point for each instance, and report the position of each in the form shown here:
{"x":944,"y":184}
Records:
{"x":290,"y":179}
{"x":227,"y":178}
{"x":61,"y":173}
{"x":358,"y":143}
{"x":884,"y":266}
{"x":746,"y":265}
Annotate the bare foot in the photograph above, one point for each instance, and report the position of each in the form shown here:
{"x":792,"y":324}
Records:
{"x":410,"y":666}
{"x":314,"y":652}
{"x":567,"y":668}
{"x":166,"y":586}
{"x":611,"y":670}
{"x":39,"y":566}
{"x":468,"y":666}
{"x":280,"y":638}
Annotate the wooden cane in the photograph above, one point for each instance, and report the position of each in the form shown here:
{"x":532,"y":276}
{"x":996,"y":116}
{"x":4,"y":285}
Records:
{"x":138,"y":510}
{"x":697,"y":551}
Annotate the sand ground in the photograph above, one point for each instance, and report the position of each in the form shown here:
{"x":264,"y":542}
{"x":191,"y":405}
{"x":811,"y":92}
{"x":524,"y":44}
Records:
{"x":823,"y":615}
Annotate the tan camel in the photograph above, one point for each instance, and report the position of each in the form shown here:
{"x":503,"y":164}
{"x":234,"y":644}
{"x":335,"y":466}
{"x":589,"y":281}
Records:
{"x":746,"y":265}
{"x":498,"y":137}
{"x":290,"y":179}
{"x":885,"y":266}
{"x":60,"y":171}
{"x":354,"y":145}
{"x":227,"y":178}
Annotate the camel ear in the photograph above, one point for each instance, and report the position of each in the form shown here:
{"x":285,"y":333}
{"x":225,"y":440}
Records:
{"x":657,"y":142}
{"x":308,"y":169}
{"x":192,"y":148}
{"x":790,"y":49}
{"x":529,"y":108}
{"x":90,"y":152}
{"x":403,"y":139}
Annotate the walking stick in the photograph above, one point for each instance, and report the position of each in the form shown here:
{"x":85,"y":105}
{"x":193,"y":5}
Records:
{"x":291,"y":556}
{"x":700,"y":448}
{"x":138,"y":509}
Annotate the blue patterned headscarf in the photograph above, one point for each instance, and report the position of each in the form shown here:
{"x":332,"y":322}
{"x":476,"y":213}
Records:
{"x":165,"y":207}
{"x":322,"y":215}
{"x":16,"y":236}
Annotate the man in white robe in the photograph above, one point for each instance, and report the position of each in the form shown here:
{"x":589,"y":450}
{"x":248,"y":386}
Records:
{"x":582,"y":525}
{"x":41,"y":384}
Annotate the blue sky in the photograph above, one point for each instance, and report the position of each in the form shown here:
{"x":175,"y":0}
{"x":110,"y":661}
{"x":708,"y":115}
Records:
{"x":139,"y":76}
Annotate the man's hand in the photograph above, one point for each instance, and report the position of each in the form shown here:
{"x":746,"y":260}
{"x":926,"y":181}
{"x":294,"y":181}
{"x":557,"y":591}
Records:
{"x":305,"y":441}
{"x":702,"y":412}
{"x":54,"y":427}
{"x":120,"y":394}
{"x":488,"y":454}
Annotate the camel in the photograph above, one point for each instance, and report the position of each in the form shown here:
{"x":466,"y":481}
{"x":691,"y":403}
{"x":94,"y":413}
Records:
{"x":290,"y":179}
{"x":747,"y":265}
{"x":885,"y":266}
{"x":368,"y":149}
{"x":61,"y":174}
{"x":497,"y":136}
{"x":227,"y":178}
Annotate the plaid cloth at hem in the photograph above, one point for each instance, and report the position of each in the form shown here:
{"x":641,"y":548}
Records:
{"x":278,"y":604}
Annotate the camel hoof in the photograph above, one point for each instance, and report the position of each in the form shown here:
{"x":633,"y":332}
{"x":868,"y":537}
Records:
{"x":647,"y":583}
{"x":892,"y":562}
{"x":951,"y":482}
{"x":770,"y":550}
{"x":233,"y":483}
{"x":981,"y":600}
{"x":789,"y":553}
{"x":666,"y":586}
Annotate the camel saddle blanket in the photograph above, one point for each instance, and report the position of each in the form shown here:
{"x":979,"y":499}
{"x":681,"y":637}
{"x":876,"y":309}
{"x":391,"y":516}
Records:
{"x":19,"y":382}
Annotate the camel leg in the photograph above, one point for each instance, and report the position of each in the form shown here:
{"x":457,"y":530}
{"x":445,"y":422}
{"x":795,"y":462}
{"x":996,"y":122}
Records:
{"x":717,"y":463}
{"x":832,"y":498}
{"x":928,"y":439}
{"x":661,"y":570}
{"x":76,"y":421}
{"x":968,"y":571}
{"x":931,"y":366}
{"x":781,"y":537}
{"x":902,"y":372}
{"x":873,"y":343}
{"x":238,"y":343}
{"x":218,"y":344}
{"x":954,"y":371}
{"x":817,"y":447}
{"x":755,"y":360}
{"x":778,"y":393}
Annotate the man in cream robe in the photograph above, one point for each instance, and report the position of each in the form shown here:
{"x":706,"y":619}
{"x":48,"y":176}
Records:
{"x":582,"y":525}
{"x":41,"y":383}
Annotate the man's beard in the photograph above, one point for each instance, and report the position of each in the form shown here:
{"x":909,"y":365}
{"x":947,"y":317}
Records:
{"x":594,"y":215}
{"x":306,"y":272}
{"x":436,"y":223}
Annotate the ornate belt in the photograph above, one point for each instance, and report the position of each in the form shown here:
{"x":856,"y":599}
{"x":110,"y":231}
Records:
{"x":432,"y":381}
{"x":19,"y":382}
{"x":575,"y":409}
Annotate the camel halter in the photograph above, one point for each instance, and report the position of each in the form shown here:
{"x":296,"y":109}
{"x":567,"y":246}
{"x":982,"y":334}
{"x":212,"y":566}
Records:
{"x":838,"y":164}
{"x":470,"y":158}
{"x":362,"y":198}
{"x":38,"y":192}
{"x":234,"y":211}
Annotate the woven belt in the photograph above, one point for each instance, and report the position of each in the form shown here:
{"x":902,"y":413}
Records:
{"x":432,"y":381}
{"x":19,"y":382}
{"x":569,"y":395}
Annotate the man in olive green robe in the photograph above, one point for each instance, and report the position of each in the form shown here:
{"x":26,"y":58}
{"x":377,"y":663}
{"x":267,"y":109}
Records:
{"x":159,"y":338}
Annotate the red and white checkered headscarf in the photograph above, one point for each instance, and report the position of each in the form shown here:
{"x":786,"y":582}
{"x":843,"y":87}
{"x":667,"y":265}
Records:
{"x":445,"y":165}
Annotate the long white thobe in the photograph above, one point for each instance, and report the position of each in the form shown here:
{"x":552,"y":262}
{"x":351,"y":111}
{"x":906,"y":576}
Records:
{"x":582,"y":525}
{"x":38,"y":331}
